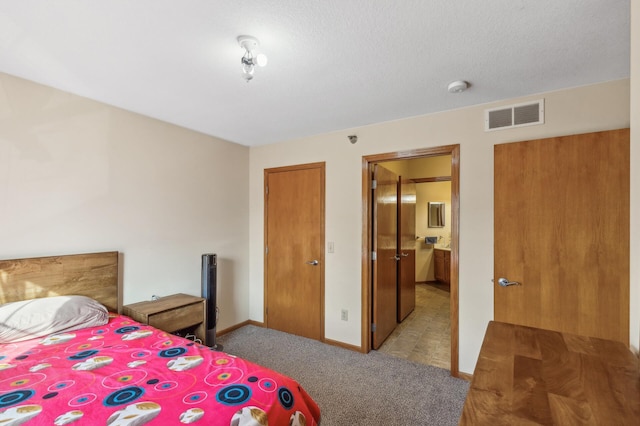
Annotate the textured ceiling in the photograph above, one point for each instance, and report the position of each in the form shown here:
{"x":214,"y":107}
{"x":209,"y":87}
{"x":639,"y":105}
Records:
{"x":333,"y":64}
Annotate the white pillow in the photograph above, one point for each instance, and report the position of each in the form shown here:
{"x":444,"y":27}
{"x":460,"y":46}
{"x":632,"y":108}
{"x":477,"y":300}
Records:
{"x":29,"y":319}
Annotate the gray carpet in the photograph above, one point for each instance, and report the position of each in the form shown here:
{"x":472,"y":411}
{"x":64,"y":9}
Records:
{"x":352,"y":388}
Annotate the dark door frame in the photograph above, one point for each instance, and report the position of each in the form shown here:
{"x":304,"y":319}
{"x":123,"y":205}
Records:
{"x":367,"y":162}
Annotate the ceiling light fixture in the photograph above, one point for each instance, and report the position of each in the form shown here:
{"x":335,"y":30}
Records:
{"x":250,"y":59}
{"x":457,"y":86}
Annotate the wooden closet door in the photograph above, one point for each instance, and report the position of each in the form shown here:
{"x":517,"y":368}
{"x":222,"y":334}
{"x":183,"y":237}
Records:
{"x":294,"y":252}
{"x":561,"y":230}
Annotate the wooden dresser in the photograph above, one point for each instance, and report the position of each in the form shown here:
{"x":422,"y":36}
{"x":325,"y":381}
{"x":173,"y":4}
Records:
{"x":531,"y":376}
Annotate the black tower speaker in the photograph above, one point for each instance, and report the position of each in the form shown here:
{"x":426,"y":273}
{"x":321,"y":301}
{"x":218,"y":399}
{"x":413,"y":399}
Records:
{"x":209,"y":290}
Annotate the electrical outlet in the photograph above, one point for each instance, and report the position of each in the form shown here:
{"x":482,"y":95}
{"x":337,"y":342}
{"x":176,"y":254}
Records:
{"x":344,"y":316}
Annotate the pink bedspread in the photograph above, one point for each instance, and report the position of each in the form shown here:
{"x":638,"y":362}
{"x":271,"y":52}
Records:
{"x":126,"y":373}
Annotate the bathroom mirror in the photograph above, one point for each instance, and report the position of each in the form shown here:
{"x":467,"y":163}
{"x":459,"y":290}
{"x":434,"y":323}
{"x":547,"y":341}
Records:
{"x":436,"y":214}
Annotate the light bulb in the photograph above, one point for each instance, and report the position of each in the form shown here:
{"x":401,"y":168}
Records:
{"x":261,"y":60}
{"x":247,"y":68}
{"x":248,"y":63}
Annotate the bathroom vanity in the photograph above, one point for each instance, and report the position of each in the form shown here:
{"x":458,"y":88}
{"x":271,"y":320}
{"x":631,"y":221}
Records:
{"x":442,"y":264}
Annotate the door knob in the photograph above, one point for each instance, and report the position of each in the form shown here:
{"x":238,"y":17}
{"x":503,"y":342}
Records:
{"x":404,"y":254}
{"x":505,"y":282}
{"x":312,"y":262}
{"x":396,"y":257}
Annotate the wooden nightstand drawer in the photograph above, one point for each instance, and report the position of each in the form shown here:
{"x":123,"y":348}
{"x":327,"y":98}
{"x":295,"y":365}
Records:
{"x":177,"y":319}
{"x":172,"y":313}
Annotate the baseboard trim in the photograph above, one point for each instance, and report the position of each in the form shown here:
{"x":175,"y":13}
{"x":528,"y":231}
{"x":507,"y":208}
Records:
{"x":239,"y":325}
{"x":343,"y":345}
{"x":465,"y":376}
{"x":261,"y":324}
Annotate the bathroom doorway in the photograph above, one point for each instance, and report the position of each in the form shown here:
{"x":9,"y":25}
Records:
{"x":424,"y":335}
{"x":427,"y":289}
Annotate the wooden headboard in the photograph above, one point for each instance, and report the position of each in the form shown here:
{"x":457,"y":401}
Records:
{"x":93,"y":274}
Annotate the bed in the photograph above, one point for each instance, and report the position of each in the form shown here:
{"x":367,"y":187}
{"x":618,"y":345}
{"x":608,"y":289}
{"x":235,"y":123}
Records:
{"x":92,"y":365}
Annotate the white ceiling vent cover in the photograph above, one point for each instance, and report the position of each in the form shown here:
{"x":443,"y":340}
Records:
{"x":507,"y":117}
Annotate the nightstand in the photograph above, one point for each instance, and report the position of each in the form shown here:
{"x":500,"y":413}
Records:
{"x":172,"y":314}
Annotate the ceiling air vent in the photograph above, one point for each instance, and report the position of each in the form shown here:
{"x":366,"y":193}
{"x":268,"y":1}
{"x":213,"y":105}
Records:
{"x":525,"y":114}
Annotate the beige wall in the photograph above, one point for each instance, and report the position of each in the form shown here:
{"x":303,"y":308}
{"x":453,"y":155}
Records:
{"x":579,"y":110}
{"x":400,"y":168}
{"x":78,"y":176}
{"x":425,"y":192}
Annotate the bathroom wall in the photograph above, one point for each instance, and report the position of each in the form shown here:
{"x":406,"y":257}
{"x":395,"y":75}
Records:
{"x":425,"y":192}
{"x":422,"y":168}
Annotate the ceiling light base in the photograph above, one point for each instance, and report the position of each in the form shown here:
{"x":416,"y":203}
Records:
{"x":250,"y":59}
{"x":248,"y":43}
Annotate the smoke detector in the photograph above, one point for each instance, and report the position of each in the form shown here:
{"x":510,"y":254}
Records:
{"x":457,"y":86}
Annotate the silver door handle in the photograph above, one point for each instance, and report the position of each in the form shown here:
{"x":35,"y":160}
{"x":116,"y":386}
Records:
{"x":404,"y":254}
{"x":396,"y":257}
{"x":505,"y":282}
{"x":312,"y":262}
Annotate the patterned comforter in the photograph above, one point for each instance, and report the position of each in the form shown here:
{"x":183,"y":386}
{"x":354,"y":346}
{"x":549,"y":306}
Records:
{"x":127,"y":373}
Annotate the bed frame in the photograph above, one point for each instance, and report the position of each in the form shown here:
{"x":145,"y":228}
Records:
{"x":95,"y":275}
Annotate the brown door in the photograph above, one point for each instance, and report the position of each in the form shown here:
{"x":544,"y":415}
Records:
{"x":385,"y":239}
{"x":407,"y":244}
{"x":294,"y":252}
{"x":561,"y":230}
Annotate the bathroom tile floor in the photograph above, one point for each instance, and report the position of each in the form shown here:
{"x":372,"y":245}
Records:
{"x":425,"y":335}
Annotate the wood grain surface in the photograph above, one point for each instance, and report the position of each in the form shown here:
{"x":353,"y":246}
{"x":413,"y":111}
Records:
{"x":93,"y":274}
{"x":172,"y":313}
{"x":561,"y":230}
{"x":294,"y":236}
{"x":532,"y":376}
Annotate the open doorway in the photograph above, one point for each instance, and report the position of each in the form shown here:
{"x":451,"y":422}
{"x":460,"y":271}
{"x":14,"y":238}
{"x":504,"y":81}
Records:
{"x":450,"y":240}
{"x":424,"y":334}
